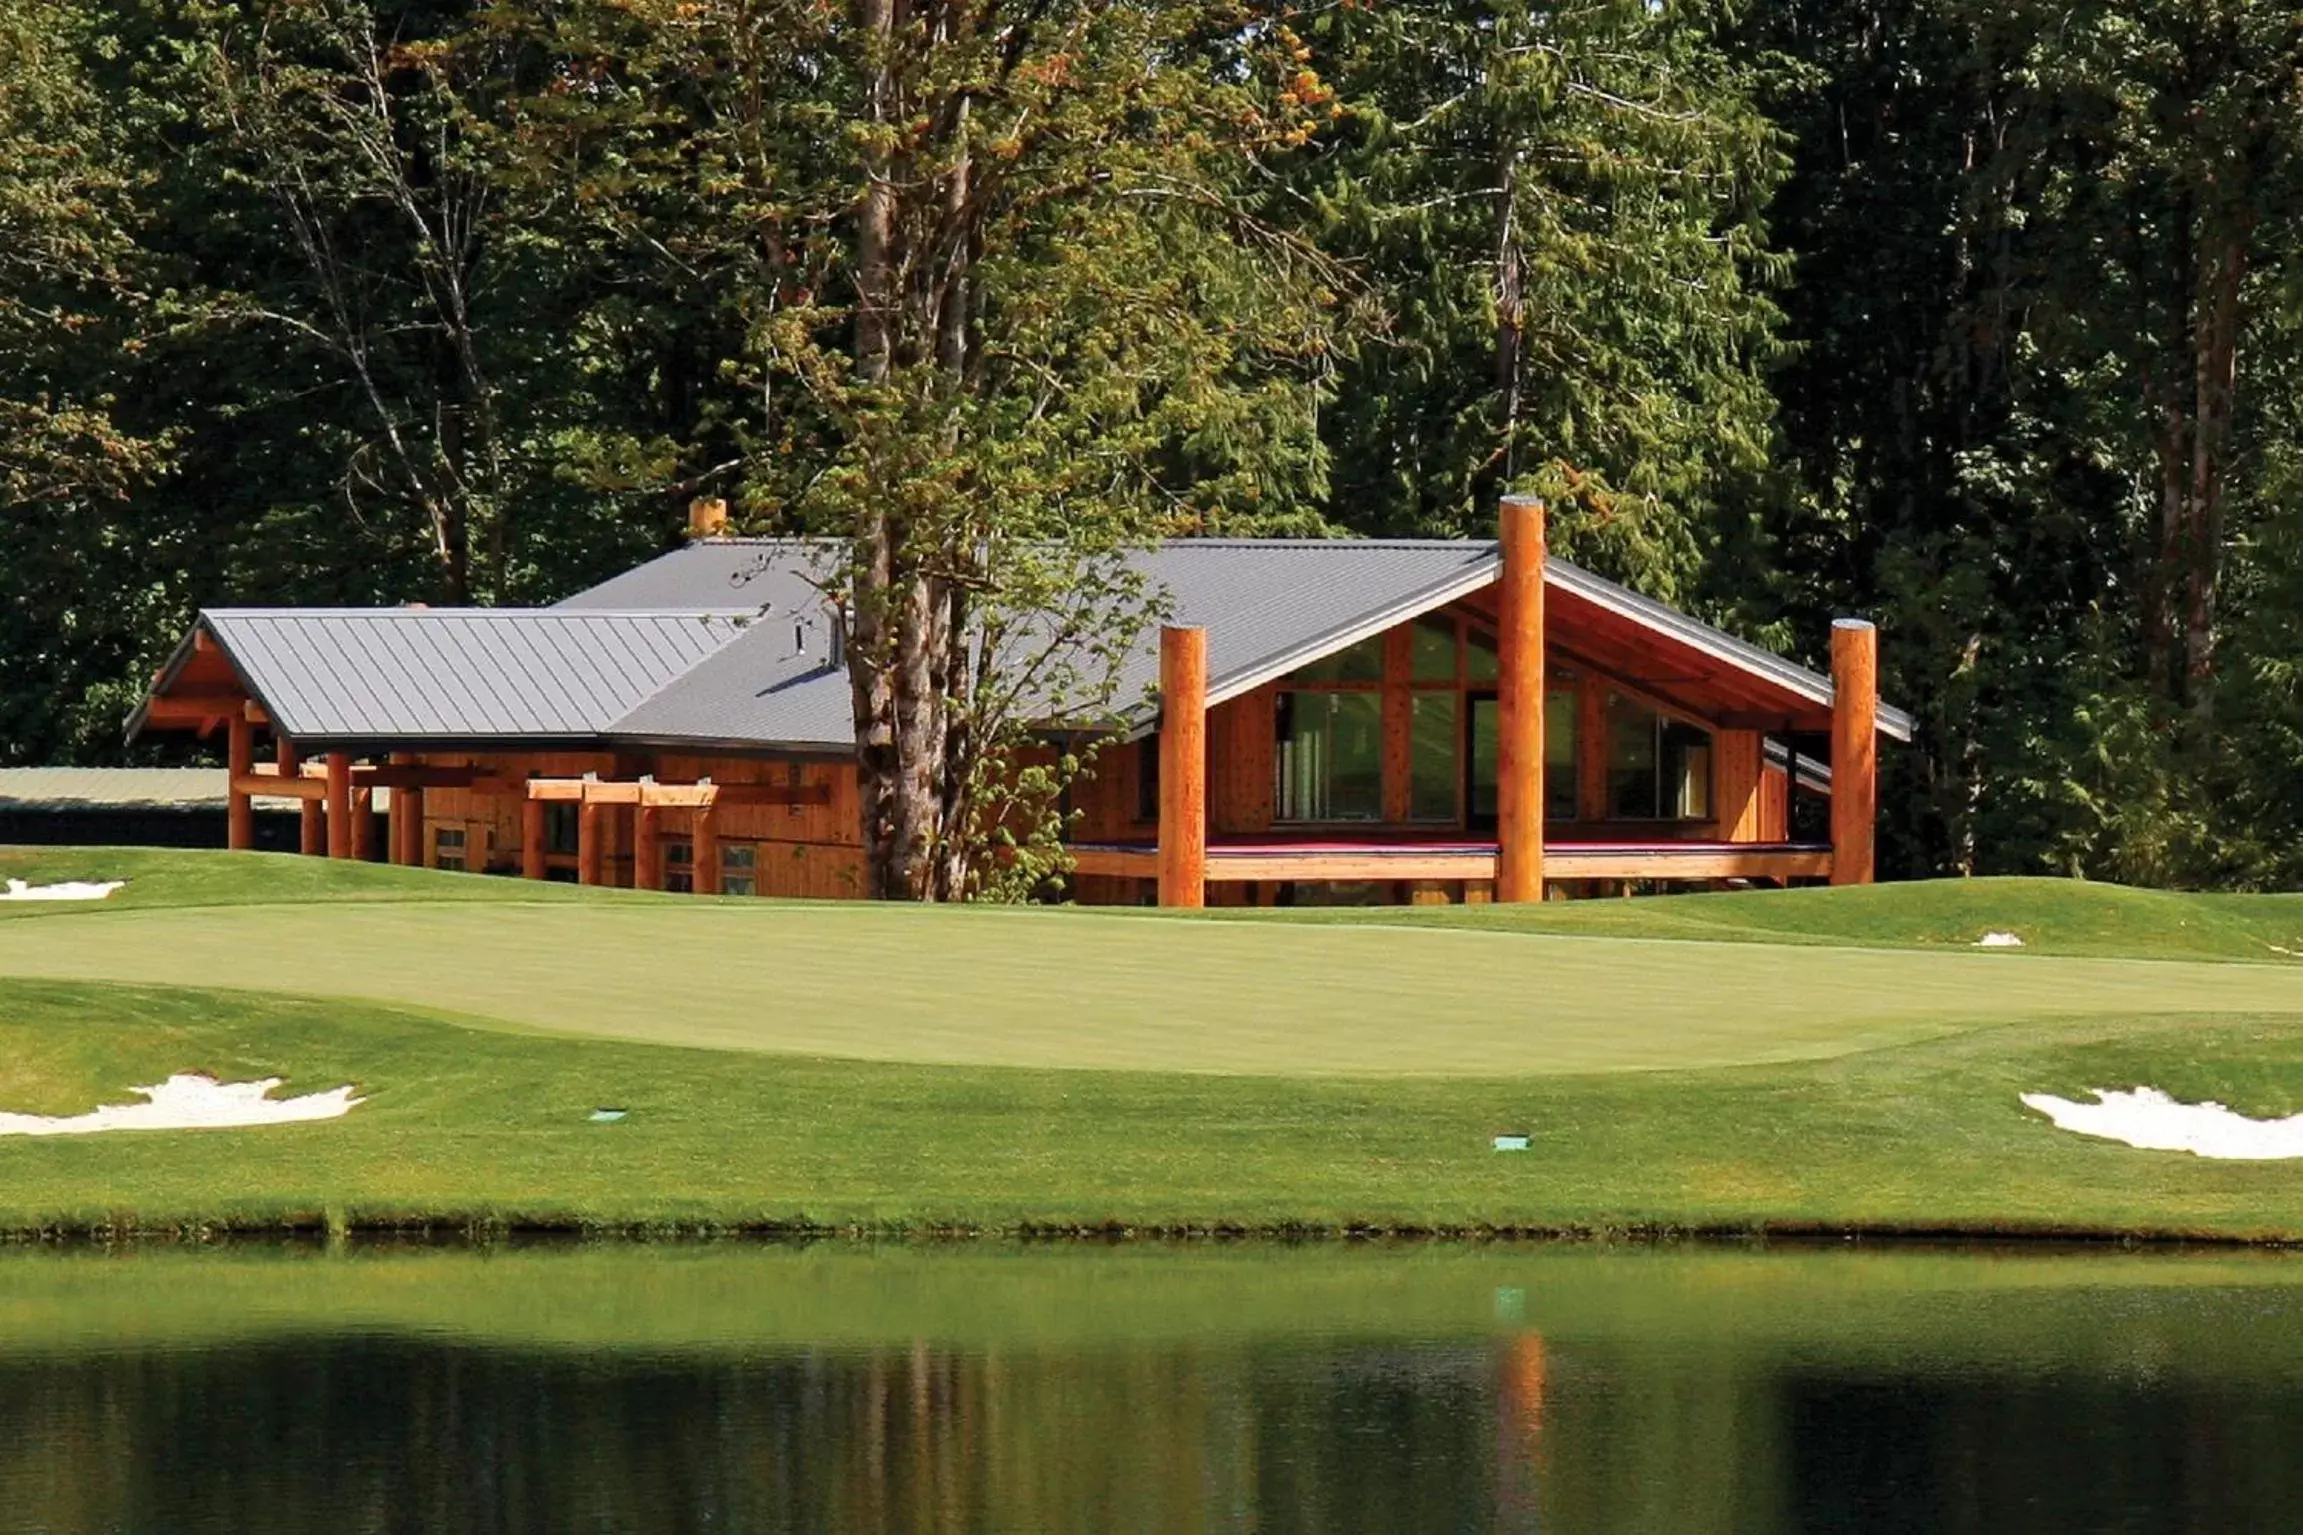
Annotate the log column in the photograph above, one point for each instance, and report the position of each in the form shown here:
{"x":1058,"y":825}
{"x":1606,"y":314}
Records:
{"x":1183,"y":767}
{"x":591,"y":842}
{"x":311,"y":840}
{"x":1854,"y":749}
{"x":339,"y":804}
{"x":647,"y":859}
{"x":407,"y":826}
{"x":239,"y":807}
{"x":364,"y":824}
{"x":532,"y":839}
{"x":1519,"y":705}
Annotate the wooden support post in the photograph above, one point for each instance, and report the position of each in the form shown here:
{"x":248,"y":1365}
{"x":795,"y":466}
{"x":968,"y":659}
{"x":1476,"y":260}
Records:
{"x":364,"y":824}
{"x":1183,"y":767}
{"x":532,"y":839}
{"x":339,"y":804}
{"x":239,"y":808}
{"x":704,"y":849}
{"x":1590,"y":749}
{"x":1854,"y":749}
{"x":1519,"y":748}
{"x":408,"y":826}
{"x":591,"y":841}
{"x":647,"y":851}
{"x":1398,"y":777}
{"x":310,"y":840}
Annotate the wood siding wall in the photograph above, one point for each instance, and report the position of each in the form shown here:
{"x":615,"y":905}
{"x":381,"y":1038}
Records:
{"x":800,"y":850}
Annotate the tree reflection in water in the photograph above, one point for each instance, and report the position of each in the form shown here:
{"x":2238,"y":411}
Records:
{"x":1660,"y":1427}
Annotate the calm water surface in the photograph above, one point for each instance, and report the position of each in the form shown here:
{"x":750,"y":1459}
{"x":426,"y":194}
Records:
{"x":848,"y":1390}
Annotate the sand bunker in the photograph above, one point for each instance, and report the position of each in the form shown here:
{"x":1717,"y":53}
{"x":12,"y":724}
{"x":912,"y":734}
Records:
{"x":2150,"y":1119}
{"x":191,"y":1102}
{"x":1999,"y":941}
{"x":70,"y":890}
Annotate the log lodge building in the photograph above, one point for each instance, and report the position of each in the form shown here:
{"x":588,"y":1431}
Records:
{"x":1332,"y":721}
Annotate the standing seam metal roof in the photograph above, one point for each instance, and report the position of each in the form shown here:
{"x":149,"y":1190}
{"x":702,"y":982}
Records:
{"x":728,"y":643}
{"x":384,"y":674}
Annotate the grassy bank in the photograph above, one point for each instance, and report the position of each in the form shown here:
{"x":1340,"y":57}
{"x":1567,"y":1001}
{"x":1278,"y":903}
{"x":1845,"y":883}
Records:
{"x":811,"y":1067}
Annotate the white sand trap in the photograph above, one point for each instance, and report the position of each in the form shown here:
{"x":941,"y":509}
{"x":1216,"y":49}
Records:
{"x":70,"y":890}
{"x":1999,"y":941}
{"x":188,"y":1101}
{"x":2150,"y":1119}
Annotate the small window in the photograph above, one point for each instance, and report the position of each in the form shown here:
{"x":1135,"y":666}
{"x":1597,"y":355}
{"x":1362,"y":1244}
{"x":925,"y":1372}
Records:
{"x":679,"y":865}
{"x":1330,"y":765}
{"x":1147,"y":778}
{"x":1431,"y":650}
{"x":796,"y":778}
{"x":1686,"y":763}
{"x":1435,"y":773}
{"x":560,"y":822}
{"x":1362,"y":662}
{"x":739,"y":870}
{"x":448,"y":848}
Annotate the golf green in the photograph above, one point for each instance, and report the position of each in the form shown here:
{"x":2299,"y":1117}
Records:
{"x":1073,"y":989}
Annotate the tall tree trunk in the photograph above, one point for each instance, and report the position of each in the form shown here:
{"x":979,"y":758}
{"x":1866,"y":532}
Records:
{"x":2170,"y":387}
{"x":874,"y":616}
{"x":2216,"y":391}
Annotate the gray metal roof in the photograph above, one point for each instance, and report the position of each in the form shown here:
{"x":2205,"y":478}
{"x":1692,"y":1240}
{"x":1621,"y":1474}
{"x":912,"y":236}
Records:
{"x":779,"y":687}
{"x":1269,"y":606}
{"x":729,"y":643}
{"x":456,"y":674}
{"x":719,"y":575}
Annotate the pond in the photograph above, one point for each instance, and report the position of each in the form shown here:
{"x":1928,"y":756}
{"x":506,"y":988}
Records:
{"x":1324,"y":1388}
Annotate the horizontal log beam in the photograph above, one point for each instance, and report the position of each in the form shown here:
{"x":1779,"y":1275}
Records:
{"x":689,"y":796}
{"x":194,"y":708}
{"x":1560,"y":862}
{"x":274,"y":786}
{"x":1115,"y":862}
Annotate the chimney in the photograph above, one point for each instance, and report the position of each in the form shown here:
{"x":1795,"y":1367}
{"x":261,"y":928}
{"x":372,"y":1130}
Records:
{"x":707,"y":518}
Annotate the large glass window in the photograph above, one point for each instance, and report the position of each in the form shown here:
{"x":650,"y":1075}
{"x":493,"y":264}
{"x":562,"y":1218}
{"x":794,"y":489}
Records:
{"x":1431,"y":650}
{"x":1362,"y":662}
{"x":1435,"y":767}
{"x":1657,"y":769}
{"x":1481,"y":663}
{"x":1330,"y":756}
{"x":1630,"y":760}
{"x":1559,"y":755}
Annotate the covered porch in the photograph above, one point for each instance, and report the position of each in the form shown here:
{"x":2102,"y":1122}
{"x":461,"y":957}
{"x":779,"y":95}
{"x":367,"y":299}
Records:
{"x":1725,"y":718}
{"x":1472,"y":864}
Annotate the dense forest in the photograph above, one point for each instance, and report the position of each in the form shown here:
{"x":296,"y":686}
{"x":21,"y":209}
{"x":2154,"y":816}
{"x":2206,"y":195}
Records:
{"x":1983,"y":320}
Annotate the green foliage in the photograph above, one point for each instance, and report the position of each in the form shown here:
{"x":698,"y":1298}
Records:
{"x":1562,"y":208}
{"x":1981,"y":319}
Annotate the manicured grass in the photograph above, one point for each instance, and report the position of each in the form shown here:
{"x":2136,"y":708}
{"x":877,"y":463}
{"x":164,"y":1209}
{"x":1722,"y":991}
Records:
{"x":489,"y":1127}
{"x":1091,"y":990}
{"x":852,"y":1066}
{"x":2051,"y":916}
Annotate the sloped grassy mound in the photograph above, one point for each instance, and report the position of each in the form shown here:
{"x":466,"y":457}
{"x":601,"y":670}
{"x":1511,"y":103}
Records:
{"x":482,"y":1128}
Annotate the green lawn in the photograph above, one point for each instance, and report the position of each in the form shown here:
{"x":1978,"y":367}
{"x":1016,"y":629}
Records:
{"x":883,"y":1068}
